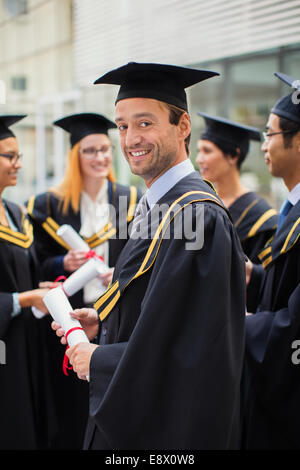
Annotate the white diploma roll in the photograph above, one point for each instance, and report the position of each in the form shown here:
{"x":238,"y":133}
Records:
{"x":59,"y":307}
{"x":75,"y":242}
{"x":72,"y":238}
{"x":79,"y":278}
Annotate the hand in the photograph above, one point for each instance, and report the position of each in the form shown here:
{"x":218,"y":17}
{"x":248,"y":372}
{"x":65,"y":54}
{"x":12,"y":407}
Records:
{"x":107,"y":277}
{"x":48,"y":284}
{"x":88,"y":318}
{"x":249,"y":267}
{"x":37,"y":301}
{"x":80,"y":358}
{"x":74,"y":259}
{"x":34,"y":298}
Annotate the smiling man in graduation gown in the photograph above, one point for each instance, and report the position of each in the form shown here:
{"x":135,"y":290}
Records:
{"x":166,"y":373}
{"x":272,"y":415}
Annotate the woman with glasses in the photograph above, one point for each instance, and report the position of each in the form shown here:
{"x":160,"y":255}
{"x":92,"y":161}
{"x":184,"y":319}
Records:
{"x":222,"y":148}
{"x":23,"y":393}
{"x":99,"y":209}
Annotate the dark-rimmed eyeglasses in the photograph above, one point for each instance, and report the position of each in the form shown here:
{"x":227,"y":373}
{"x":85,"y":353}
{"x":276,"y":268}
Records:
{"x":91,"y":152}
{"x":270,"y":134}
{"x":13,"y":157}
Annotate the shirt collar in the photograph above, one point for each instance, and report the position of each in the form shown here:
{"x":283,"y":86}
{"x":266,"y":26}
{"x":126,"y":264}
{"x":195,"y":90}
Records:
{"x":294,"y":195}
{"x":166,"y":181}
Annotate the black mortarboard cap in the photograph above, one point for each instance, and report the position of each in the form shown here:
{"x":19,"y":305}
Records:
{"x":292,"y":82}
{"x":288,"y":106}
{"x":223,"y":131}
{"x":162,"y":82}
{"x":82,"y":124}
{"x":7,"y":121}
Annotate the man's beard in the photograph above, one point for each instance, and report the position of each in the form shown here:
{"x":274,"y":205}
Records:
{"x":158,"y":165}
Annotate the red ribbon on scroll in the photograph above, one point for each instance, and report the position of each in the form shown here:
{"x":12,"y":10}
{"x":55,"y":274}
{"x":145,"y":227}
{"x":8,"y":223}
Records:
{"x":60,"y":278}
{"x":57,"y":280}
{"x":66,"y":359}
{"x":93,"y":254}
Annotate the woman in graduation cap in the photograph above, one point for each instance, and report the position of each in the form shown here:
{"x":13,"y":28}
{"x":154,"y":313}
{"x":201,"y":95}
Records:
{"x":23,"y":393}
{"x":222,"y":148}
{"x":98,"y":209}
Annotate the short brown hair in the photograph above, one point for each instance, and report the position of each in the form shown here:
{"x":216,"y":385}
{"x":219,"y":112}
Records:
{"x":174,"y":117}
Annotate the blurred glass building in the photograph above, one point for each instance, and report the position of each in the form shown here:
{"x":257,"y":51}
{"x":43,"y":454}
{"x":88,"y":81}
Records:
{"x":51,"y":51}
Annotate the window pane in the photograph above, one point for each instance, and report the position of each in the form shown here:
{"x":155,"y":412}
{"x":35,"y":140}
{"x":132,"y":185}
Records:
{"x":254,"y":90}
{"x":208,"y":97}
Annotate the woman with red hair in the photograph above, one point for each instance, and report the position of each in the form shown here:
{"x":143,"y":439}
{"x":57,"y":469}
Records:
{"x":99,"y":209}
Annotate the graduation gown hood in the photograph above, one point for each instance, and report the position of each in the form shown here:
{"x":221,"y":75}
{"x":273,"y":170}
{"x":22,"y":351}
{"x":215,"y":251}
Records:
{"x":255,"y":222}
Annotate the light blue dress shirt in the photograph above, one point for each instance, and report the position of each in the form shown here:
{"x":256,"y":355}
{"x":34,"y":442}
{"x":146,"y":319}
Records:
{"x":165,"y":182}
{"x":291,"y":200}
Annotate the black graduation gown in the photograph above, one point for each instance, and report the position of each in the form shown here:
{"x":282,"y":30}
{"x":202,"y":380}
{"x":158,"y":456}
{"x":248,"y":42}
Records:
{"x":255,"y":222}
{"x":46,"y":216}
{"x":167,"y":372}
{"x":25,"y":402}
{"x":272,"y":412}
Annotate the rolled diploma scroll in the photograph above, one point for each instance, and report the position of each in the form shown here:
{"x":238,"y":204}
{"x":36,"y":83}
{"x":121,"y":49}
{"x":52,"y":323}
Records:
{"x":59,"y":307}
{"x":83,"y":275}
{"x":78,"y":279}
{"x":75,"y":242}
{"x":72,"y":238}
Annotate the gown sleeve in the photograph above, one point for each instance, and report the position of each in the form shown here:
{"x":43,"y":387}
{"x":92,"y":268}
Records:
{"x":269,"y":338}
{"x":254,"y":287}
{"x":182,"y":363}
{"x":254,"y":245}
{"x":48,"y":252}
{"x":6,"y":302}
